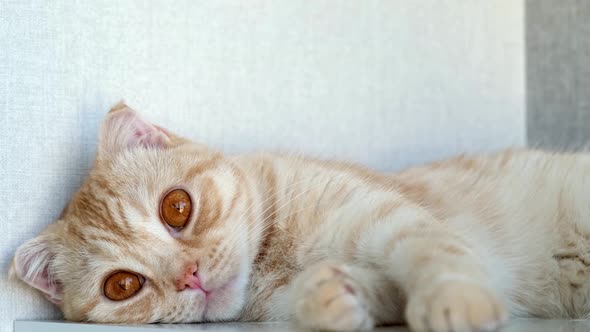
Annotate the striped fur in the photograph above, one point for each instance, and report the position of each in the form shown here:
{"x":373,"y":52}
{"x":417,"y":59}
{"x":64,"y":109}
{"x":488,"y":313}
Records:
{"x":453,"y":246}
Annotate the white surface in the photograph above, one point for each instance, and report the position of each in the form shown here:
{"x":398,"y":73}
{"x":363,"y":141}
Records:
{"x":32,"y":326}
{"x":385,"y":83}
{"x":524,"y":325}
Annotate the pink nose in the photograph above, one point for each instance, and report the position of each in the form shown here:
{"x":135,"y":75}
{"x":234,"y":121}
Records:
{"x":188,"y":278}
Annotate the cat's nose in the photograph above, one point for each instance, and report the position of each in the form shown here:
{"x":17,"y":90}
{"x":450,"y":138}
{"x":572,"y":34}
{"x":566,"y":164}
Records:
{"x":188,"y":278}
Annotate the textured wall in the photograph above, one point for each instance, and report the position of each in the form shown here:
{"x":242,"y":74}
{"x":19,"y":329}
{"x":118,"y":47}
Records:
{"x":558,"y":73}
{"x":385,"y":83}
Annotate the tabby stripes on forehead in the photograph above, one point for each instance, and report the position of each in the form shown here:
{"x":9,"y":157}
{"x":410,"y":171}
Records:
{"x":201,"y":168}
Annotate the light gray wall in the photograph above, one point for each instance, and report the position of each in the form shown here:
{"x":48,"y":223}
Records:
{"x":558,"y":73}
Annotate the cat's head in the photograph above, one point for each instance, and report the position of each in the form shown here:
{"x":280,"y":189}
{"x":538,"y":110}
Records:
{"x":162,"y":230}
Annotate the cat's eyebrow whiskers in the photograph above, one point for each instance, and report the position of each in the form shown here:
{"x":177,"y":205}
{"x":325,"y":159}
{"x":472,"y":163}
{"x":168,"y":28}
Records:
{"x":263,"y":223}
{"x":250,"y":209}
{"x":233,"y":241}
{"x":293,"y":198}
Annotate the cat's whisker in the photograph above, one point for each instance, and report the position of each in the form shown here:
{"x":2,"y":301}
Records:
{"x":250,"y":210}
{"x":234,"y":240}
{"x":277,"y":193}
{"x":293,"y":198}
{"x":263,"y":223}
{"x":265,"y":226}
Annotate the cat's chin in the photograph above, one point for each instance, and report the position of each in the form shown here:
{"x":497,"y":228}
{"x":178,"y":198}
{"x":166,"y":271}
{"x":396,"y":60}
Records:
{"x":225,"y":302}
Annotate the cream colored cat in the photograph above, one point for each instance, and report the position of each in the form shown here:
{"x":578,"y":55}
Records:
{"x":166,"y":230}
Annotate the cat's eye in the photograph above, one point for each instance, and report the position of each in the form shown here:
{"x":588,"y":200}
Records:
{"x":175,"y":208}
{"x":122,"y":285}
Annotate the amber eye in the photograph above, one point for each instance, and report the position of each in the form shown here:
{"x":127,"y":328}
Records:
{"x":122,"y":285}
{"x":176,"y":208}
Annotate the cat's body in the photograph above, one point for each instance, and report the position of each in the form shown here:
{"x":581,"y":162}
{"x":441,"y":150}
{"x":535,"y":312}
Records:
{"x":522,"y":213}
{"x":450,"y":246}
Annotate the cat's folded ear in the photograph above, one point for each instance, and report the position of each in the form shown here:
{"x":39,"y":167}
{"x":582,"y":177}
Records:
{"x":33,"y":263}
{"x":124,"y":128}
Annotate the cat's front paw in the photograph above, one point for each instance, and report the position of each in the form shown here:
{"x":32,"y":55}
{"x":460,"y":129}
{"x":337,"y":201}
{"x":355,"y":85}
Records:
{"x":327,"y":298}
{"x":455,"y":306}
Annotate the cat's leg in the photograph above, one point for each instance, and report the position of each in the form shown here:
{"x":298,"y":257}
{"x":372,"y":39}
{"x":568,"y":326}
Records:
{"x":343,"y":297}
{"x":444,"y":280}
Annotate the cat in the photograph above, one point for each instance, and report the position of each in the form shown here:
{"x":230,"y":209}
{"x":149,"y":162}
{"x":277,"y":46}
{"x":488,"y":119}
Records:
{"x":167,"y":230}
